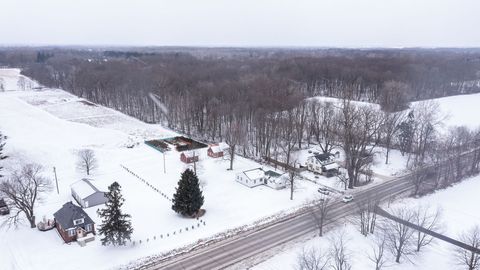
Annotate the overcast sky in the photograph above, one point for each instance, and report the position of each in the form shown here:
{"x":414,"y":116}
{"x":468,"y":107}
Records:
{"x":310,"y":23}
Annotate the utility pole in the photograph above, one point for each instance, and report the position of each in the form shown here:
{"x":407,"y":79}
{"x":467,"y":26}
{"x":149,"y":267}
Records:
{"x":56,"y":180}
{"x":164,"y":168}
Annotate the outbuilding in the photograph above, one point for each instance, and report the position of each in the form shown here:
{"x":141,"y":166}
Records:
{"x":86,"y":194}
{"x":217,"y":150}
{"x":189,"y":157}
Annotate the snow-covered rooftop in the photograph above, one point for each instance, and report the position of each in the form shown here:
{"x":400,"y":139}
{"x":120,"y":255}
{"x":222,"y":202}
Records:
{"x":219,"y":147}
{"x":84,"y":188}
{"x":255,"y":173}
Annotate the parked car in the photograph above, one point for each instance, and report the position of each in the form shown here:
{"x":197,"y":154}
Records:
{"x":347,"y":198}
{"x":4,"y":210}
{"x":323,"y":190}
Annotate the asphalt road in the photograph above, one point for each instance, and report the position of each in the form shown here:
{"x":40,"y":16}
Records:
{"x":248,"y":244}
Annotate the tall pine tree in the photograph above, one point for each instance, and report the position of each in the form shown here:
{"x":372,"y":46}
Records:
{"x":2,"y":143}
{"x":116,"y":227}
{"x":189,"y":198}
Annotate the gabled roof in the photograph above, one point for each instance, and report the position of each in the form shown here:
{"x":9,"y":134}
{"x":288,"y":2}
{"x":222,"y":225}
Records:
{"x":254,"y":174}
{"x":70,"y":212}
{"x":84,"y":188}
{"x":272,"y":174}
{"x":217,"y":148}
{"x":190,"y":154}
{"x":323,"y":157}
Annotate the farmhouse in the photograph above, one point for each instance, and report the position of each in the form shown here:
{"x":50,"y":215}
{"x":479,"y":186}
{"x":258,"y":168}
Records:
{"x":86,"y":194}
{"x":73,"y":223}
{"x":189,"y":157}
{"x":4,"y":208}
{"x":217,"y":150}
{"x":258,"y":176}
{"x":321,"y":163}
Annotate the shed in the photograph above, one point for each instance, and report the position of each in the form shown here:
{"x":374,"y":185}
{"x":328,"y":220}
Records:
{"x":189,"y":157}
{"x":217,"y":150}
{"x":86,"y":194}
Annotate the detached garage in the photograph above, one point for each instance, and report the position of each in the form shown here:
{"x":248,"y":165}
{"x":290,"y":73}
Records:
{"x":86,"y":194}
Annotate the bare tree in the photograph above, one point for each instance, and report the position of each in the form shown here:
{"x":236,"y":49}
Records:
{"x":377,"y":255}
{"x":390,"y":127}
{"x":418,"y":177}
{"x":339,"y":252}
{"x":87,"y":161}
{"x":466,"y":258}
{"x":360,"y":127}
{"x":292,"y":181}
{"x":235,"y":135}
{"x":22,"y":190}
{"x":399,"y":236}
{"x":321,"y":212}
{"x":428,"y":219}
{"x":312,"y":259}
{"x":427,"y":120}
{"x":367,"y":215}
{"x":394,"y":97}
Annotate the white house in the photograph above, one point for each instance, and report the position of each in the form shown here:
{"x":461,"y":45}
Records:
{"x":257,"y":177}
{"x":275,"y":180}
{"x":251,"y":178}
{"x":86,"y":194}
{"x":321,"y":163}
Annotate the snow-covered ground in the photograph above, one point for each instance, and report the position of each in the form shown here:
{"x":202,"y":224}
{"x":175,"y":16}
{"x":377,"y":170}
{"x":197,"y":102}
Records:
{"x":12,"y":80}
{"x":459,"y":210}
{"x":462,"y":110}
{"x":50,"y":126}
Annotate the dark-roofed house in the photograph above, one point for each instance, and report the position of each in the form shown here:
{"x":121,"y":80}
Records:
{"x":4,"y":208}
{"x":73,"y":223}
{"x":86,"y":194}
{"x":319,"y":162}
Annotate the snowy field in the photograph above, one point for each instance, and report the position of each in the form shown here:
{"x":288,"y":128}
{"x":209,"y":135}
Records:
{"x":449,"y":109}
{"x":50,"y":127}
{"x":459,"y":213}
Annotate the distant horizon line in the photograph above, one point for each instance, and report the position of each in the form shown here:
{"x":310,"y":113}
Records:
{"x":98,"y":46}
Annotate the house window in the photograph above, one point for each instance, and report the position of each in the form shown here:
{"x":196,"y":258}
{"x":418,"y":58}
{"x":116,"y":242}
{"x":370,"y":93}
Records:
{"x":88,"y":227}
{"x":78,"y":221}
{"x":71,"y":232}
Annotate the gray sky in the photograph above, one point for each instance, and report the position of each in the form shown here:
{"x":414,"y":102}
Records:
{"x":337,"y":23}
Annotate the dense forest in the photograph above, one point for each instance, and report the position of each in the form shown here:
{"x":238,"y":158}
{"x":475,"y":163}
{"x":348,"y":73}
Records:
{"x":258,"y":99}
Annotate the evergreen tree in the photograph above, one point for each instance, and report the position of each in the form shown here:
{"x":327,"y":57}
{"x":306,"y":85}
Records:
{"x":116,"y":227}
{"x":188,"y":199}
{"x":406,"y":129}
{"x":2,"y":138}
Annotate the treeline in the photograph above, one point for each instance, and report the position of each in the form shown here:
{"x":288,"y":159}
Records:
{"x":257,"y":93}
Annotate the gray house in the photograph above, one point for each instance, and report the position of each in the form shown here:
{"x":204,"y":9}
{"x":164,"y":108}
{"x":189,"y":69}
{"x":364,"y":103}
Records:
{"x":86,"y":194}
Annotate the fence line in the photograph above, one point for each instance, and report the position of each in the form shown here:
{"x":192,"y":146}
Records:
{"x":162,"y":236}
{"x":164,"y":195}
